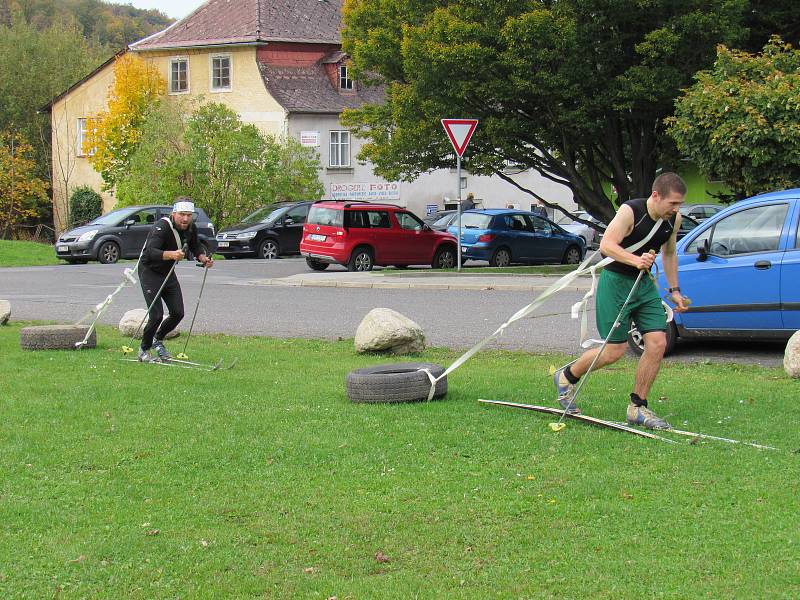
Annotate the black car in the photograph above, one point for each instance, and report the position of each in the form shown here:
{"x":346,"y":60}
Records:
{"x":687,"y":224}
{"x":121,"y":233}
{"x":267,"y":233}
{"x":440,"y":221}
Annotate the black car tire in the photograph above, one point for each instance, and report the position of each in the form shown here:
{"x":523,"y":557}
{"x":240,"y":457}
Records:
{"x":572,"y":256}
{"x":268,"y":249}
{"x":500,"y":258}
{"x":55,"y":337}
{"x":108,"y":253}
{"x":636,"y":340}
{"x":361,"y":260}
{"x":316,"y":265}
{"x":398,"y":382}
{"x":445,"y":258}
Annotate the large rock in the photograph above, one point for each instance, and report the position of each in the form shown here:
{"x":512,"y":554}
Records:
{"x":386,"y":330}
{"x":56,"y":337}
{"x":5,"y":311}
{"x":130,"y":321}
{"x":791,"y":358}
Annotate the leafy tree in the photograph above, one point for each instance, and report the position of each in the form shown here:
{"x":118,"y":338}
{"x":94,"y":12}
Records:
{"x":138,"y":88}
{"x":227,"y":167}
{"x":21,"y":192}
{"x":575,"y":89}
{"x":740,"y":121}
{"x":85,"y":204}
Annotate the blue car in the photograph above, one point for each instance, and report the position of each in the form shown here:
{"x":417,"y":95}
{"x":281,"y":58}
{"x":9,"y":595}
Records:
{"x":741,"y":270}
{"x":505,"y":236}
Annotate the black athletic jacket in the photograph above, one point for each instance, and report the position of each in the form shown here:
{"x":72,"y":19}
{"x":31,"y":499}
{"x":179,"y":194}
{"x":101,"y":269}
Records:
{"x":160,"y":238}
{"x":642,"y":225}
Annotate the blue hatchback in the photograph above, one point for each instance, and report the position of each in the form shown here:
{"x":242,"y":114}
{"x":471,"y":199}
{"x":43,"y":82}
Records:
{"x":505,"y":236}
{"x":741,"y":269}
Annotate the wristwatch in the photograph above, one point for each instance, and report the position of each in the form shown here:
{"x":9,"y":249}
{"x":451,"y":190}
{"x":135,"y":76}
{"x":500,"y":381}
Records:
{"x":675,"y":289}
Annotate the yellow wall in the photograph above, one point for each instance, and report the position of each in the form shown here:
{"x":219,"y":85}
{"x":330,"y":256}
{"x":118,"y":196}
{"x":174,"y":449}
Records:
{"x":248,"y":97}
{"x":69,"y":169}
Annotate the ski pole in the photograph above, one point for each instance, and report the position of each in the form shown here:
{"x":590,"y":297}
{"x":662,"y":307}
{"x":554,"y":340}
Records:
{"x":196,"y":306}
{"x":158,"y":294}
{"x":605,"y":342}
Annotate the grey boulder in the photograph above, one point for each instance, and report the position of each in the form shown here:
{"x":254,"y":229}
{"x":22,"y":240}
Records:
{"x":791,"y":357}
{"x":130,"y":321}
{"x":386,"y":330}
{"x":5,"y":311}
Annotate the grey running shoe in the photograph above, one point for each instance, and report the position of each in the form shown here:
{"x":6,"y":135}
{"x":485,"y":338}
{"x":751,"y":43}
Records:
{"x":144,"y":355}
{"x":566,"y":393}
{"x":641,"y":415}
{"x":161,"y":350}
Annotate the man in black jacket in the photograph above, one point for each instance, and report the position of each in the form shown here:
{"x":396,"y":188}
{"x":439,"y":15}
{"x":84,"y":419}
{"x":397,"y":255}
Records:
{"x":162,"y":250}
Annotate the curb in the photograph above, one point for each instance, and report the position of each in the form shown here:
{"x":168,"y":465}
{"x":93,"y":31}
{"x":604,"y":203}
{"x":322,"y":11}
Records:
{"x":405,"y":285}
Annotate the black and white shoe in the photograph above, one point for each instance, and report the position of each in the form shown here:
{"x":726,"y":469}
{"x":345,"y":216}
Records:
{"x":144,"y":355}
{"x":161,"y":350}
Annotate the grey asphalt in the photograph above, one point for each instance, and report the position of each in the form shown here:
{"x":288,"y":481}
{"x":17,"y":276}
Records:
{"x":283,"y":298}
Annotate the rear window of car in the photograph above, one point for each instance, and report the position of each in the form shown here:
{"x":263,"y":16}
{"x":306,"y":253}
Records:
{"x":475,"y":220}
{"x":324,"y":215}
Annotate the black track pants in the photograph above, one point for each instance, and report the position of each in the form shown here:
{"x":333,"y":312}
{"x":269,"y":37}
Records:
{"x":171,"y":295}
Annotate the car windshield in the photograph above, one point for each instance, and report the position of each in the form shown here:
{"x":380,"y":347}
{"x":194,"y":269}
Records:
{"x":471,"y":220}
{"x":324,"y":215}
{"x":112,"y":218}
{"x":442,"y":221}
{"x":265,"y":214}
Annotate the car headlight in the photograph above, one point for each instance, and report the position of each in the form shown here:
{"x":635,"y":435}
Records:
{"x":249,"y":235}
{"x":88,"y":236}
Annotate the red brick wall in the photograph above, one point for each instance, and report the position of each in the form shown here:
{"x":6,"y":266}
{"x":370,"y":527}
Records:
{"x":288,"y":54}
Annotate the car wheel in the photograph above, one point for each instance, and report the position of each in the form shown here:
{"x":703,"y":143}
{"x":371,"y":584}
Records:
{"x":108,"y":253}
{"x":316,"y":264}
{"x":361,"y":260}
{"x":636,"y":339}
{"x":400,"y":382}
{"x":572,"y":256}
{"x":268,"y":249}
{"x":445,"y":258}
{"x":500,"y":258}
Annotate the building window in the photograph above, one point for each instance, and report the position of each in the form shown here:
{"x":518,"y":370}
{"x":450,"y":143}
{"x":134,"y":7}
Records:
{"x":345,"y":83}
{"x":82,"y":131}
{"x":220,"y":73}
{"x":340,"y":149}
{"x":178,"y":76}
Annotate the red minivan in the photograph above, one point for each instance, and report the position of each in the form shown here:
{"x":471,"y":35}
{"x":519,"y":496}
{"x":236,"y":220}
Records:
{"x":361,"y":235}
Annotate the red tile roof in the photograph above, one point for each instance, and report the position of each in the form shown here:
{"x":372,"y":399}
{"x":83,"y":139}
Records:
{"x":250,"y":21}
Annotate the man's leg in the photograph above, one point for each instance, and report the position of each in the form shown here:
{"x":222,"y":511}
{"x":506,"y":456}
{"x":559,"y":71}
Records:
{"x":655,"y":343}
{"x":173,"y":298}
{"x":150,"y":285}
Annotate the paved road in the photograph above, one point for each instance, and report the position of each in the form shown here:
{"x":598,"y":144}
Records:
{"x":279,"y":298}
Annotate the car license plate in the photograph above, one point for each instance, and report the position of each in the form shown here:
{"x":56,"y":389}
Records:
{"x":223,"y":244}
{"x":315,"y":237}
{"x":63,"y":248}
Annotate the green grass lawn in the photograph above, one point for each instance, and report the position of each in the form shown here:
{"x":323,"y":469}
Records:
{"x":15,"y":253}
{"x":123,"y":480}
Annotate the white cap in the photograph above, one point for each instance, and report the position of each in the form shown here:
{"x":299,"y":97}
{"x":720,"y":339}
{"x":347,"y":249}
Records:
{"x":183,"y":206}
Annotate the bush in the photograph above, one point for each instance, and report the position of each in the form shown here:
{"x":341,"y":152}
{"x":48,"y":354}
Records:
{"x":84,"y":205}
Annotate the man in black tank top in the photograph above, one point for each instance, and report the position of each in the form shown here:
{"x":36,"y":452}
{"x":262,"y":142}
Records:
{"x":640,"y":226}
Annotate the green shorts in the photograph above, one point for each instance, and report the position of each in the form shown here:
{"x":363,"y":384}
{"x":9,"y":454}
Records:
{"x":644,"y":307}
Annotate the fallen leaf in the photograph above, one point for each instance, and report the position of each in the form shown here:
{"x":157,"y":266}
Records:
{"x":381,"y":557}
{"x":308,"y":570}
{"x":152,"y":532}
{"x":204,"y":543}
{"x":79,"y":559}
{"x":627,"y":495}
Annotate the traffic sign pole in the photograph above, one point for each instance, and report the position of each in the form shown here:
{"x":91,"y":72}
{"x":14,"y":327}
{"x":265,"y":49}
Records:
{"x":458,"y":208}
{"x":459,"y":131}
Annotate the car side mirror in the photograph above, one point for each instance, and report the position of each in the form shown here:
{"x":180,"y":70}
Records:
{"x":129,"y":222}
{"x":426,"y":227}
{"x":702,"y":251}
{"x":288,"y":221}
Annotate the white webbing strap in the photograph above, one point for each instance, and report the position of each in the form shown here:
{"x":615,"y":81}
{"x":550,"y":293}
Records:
{"x":174,"y":232}
{"x":556,"y":287}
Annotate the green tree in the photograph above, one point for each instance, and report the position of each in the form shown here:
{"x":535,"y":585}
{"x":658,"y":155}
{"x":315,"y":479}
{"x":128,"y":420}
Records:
{"x":85,"y":204}
{"x":21,"y":192}
{"x":229,"y":168}
{"x":575,"y":89}
{"x":740,"y":121}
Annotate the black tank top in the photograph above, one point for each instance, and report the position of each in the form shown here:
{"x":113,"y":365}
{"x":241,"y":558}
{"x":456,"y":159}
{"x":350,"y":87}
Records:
{"x":642,"y":225}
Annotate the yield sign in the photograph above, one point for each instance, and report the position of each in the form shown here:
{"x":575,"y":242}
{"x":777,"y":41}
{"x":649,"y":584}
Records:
{"x":459,"y":131}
